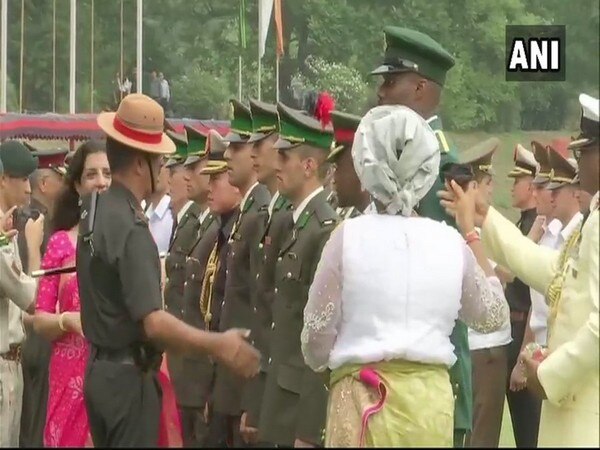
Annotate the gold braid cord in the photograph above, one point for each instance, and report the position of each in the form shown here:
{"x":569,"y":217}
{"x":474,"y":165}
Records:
{"x":208,"y":282}
{"x":554,"y":292}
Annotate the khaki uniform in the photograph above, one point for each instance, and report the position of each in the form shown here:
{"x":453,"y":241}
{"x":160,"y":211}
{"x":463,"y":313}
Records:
{"x":295,"y":399}
{"x":17,"y":292}
{"x":236,"y":307}
{"x":263,"y":258}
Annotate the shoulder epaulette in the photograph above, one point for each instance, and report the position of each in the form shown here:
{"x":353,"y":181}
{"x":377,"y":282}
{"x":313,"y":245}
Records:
{"x":325,"y":214}
{"x":138,"y":214}
{"x":441,"y":137}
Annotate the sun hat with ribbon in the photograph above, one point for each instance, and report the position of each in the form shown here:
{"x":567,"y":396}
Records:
{"x":396,"y":157}
{"x":139,"y":124}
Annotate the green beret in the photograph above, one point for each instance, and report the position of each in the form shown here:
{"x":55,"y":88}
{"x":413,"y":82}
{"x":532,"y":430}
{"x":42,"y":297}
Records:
{"x":344,"y":127}
{"x":297,"y":128}
{"x":264,"y":120}
{"x":412,"y":51}
{"x":181,"y":145}
{"x":18,"y":162}
{"x":241,"y":123}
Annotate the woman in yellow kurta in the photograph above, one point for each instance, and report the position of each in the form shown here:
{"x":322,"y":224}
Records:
{"x":568,"y":377}
{"x":386,"y":295}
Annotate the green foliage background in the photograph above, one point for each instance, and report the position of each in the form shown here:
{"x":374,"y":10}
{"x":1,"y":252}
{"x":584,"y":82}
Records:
{"x":329,"y":44}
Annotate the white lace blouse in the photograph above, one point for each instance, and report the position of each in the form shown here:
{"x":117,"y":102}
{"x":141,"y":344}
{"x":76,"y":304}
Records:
{"x":391,"y":287}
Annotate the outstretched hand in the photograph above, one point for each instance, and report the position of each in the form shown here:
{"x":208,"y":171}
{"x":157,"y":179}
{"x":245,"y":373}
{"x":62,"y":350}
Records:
{"x":235,"y":352}
{"x":468,"y":208}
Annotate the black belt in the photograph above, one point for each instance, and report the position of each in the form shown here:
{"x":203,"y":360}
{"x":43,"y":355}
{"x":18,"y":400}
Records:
{"x":119,"y":356}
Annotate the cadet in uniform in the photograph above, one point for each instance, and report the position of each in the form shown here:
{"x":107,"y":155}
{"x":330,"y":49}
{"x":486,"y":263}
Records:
{"x":236,"y":310}
{"x":524,"y":406}
{"x":17,"y":290}
{"x":118,"y":272}
{"x":198,"y":371}
{"x":224,"y":201}
{"x":263,"y":255}
{"x":488,"y":351}
{"x":352,"y":199}
{"x":184,"y":237}
{"x":47,"y":182}
{"x":414,"y":71}
{"x":295,"y":399}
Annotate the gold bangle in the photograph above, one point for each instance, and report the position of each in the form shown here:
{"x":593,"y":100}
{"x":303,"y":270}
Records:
{"x":60,"y":322}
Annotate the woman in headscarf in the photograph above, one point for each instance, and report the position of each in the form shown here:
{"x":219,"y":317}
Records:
{"x":387,"y":292}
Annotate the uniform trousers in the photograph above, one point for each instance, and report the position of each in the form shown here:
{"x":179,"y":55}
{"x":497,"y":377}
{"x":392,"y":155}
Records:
{"x":489,"y":393}
{"x":123,"y":404}
{"x":525,"y":408}
{"x":224,"y":431}
{"x":193,"y":427}
{"x":11,"y":397}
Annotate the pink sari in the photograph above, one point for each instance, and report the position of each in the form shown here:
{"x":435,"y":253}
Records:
{"x":66,"y":418}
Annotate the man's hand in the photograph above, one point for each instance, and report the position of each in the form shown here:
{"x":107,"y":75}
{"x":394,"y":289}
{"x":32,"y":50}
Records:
{"x":468,"y":208}
{"x":533,"y":382}
{"x":518,"y":379}
{"x":34,"y":232}
{"x":72,"y":322}
{"x":249,"y":434}
{"x":233,"y":351}
{"x":537,"y":229}
{"x":298,"y":443}
{"x":6,"y":224}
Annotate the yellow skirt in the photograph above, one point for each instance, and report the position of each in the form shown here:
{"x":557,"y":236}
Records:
{"x":396,"y":404}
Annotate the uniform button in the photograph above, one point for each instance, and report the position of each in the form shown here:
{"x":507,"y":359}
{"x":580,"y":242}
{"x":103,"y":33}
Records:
{"x":166,"y":280}
{"x":226,"y":271}
{"x":257,"y":275}
{"x":193,"y":276}
{"x":280,"y":259}
{"x":255,"y":309}
{"x":276,"y":290}
{"x":288,"y":275}
{"x":272,"y":325}
{"x":260,"y":245}
{"x":270,"y":360}
{"x":222,"y":303}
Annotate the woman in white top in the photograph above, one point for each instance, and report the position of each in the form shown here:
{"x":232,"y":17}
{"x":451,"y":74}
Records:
{"x":387,"y":292}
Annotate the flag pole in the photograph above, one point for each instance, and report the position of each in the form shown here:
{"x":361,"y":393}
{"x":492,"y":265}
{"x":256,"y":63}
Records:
{"x":72,"y":56}
{"x":240,"y":78}
{"x":277,"y":78}
{"x":139,"y":51}
{"x":259,"y":74}
{"x":3,"y":45}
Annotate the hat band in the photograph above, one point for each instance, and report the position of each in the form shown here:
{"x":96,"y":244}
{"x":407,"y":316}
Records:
{"x":140,"y":136}
{"x":266,"y":128}
{"x":484,"y":167}
{"x":345,"y":136}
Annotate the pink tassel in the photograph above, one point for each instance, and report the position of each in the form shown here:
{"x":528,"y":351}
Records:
{"x":372,"y":379}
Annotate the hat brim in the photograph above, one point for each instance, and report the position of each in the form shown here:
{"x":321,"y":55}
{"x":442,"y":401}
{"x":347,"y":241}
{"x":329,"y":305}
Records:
{"x":235,"y":138}
{"x":190,"y":160}
{"x":256,"y":137}
{"x":62,"y":171}
{"x":516,"y":174}
{"x":540,"y":180}
{"x":387,"y":68}
{"x":283,"y":145}
{"x":173,"y":162}
{"x":553,"y":185}
{"x":214,"y":167}
{"x":335,"y":153}
{"x":579,"y":143}
{"x":165,"y":147}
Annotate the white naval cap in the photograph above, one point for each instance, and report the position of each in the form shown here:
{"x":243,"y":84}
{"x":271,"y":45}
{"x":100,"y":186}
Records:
{"x":589,"y":124}
{"x":525,"y":163}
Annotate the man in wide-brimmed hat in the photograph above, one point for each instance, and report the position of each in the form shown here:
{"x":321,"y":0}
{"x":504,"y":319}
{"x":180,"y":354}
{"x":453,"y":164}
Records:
{"x":119,"y":281}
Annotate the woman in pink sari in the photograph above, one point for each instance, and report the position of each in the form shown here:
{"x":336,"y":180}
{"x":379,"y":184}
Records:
{"x":57,"y":310}
{"x":57,"y":315}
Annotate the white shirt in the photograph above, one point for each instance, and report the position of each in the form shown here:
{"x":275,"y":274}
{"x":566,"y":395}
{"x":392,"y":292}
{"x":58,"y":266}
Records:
{"x":554,"y":236}
{"x":302,"y":206}
{"x":183,"y":210}
{"x":594,"y":203}
{"x":160,"y":219}
{"x":204,"y":215}
{"x":371,"y":209}
{"x":247,"y":196}
{"x":272,"y":204}
{"x":384,"y":290}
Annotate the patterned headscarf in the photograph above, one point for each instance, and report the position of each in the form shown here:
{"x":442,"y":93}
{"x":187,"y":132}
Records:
{"x":396,"y":157}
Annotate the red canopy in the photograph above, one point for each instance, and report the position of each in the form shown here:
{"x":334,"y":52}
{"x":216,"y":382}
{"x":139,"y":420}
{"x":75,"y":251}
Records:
{"x":79,"y":127}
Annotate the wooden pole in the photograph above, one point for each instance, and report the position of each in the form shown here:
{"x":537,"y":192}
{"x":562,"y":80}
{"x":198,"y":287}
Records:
{"x":54,"y":56}
{"x":140,"y":49}
{"x":121,"y":76}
